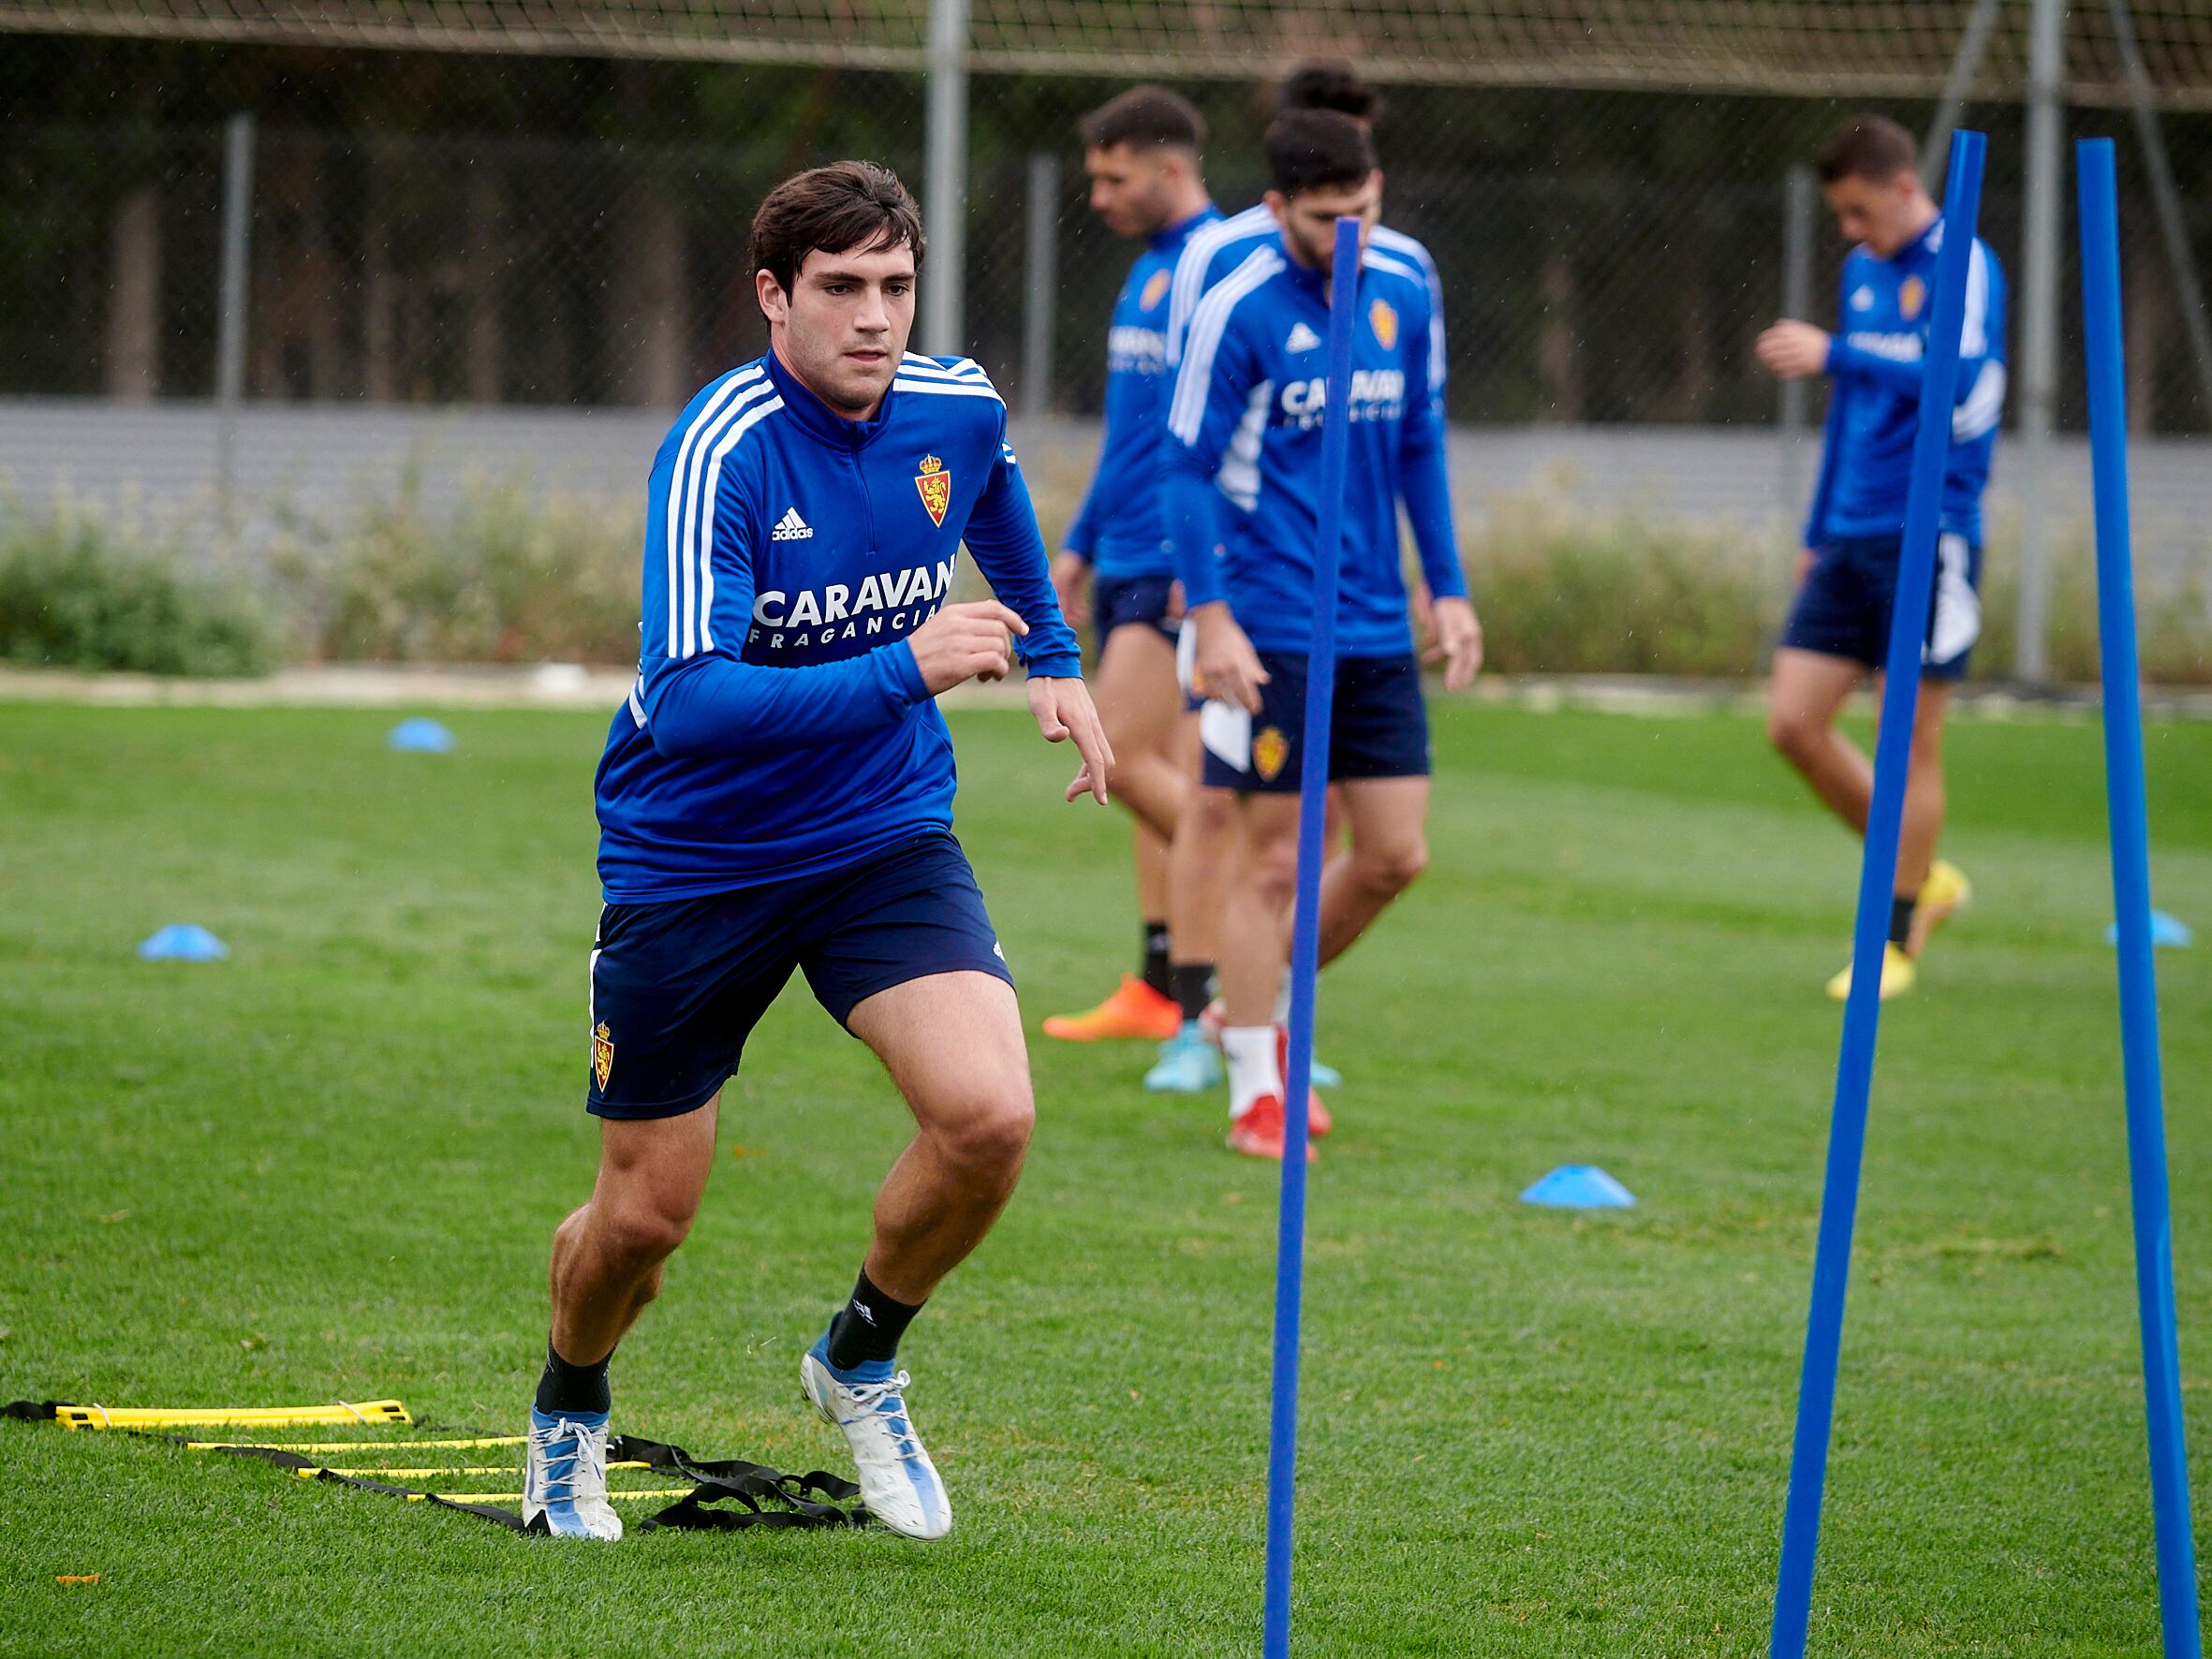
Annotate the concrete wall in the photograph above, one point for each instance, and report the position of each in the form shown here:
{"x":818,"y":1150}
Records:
{"x":160,"y":459}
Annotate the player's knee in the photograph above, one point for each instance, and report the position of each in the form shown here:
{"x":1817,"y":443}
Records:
{"x":991,"y":1132}
{"x":1793,"y":733}
{"x":643,"y":1234}
{"x":1392,"y":869}
{"x":1275,"y":867}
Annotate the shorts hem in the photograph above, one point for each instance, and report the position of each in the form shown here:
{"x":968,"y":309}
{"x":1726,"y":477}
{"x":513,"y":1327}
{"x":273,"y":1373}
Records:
{"x":683,"y":1105}
{"x":905,"y":974}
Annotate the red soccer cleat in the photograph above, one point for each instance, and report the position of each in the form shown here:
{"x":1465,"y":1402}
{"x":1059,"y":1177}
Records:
{"x":1257,"y":1132}
{"x":1317,"y":1120}
{"x":1134,"y":1010}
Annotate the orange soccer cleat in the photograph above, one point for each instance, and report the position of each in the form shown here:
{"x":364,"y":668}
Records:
{"x":1134,"y":1010}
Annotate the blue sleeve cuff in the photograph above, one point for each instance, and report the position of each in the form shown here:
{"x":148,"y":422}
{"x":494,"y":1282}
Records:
{"x":909,"y":672}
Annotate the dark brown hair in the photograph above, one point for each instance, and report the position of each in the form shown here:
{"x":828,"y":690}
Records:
{"x":847,"y":207}
{"x":1871,"y":147}
{"x":1329,"y":83}
{"x":1144,"y":117}
{"x":1316,"y":150}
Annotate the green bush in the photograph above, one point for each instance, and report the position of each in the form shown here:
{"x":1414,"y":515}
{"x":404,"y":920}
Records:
{"x":511,"y":575}
{"x":1565,"y":589}
{"x":78,"y":591}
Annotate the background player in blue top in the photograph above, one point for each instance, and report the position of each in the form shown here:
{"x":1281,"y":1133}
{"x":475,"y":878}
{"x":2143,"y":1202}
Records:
{"x":1140,"y":150}
{"x":776,"y":793}
{"x":1839,"y":629}
{"x":1247,"y":418}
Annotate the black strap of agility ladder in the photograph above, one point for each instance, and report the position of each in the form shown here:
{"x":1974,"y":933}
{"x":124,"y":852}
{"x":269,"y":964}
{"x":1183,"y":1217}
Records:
{"x":763,"y":1496}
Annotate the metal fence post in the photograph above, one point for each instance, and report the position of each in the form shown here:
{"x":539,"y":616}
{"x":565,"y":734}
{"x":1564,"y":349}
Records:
{"x":1041,"y":281}
{"x":1973,"y":45}
{"x":943,"y":328}
{"x":2039,"y":345}
{"x":238,"y":212}
{"x":1798,"y":211}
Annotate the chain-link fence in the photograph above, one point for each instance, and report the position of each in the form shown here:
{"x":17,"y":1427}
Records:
{"x":1608,"y":256}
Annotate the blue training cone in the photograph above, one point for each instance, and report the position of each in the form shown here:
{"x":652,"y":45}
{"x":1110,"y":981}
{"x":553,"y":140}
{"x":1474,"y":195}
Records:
{"x":2168,"y":931}
{"x":421,"y":736}
{"x":184,"y":942}
{"x":1580,"y":1187}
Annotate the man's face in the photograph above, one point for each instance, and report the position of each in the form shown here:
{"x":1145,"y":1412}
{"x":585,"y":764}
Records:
{"x":843,"y":327}
{"x":1885,"y":213}
{"x":1309,"y":220}
{"x":1131,"y":189}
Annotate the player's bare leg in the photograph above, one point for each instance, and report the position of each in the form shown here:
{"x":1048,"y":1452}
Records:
{"x":1199,"y":865}
{"x":952,"y":1044}
{"x":1807,"y":693}
{"x":1389,"y":850}
{"x":607,"y":1255}
{"x":1140,"y":706}
{"x":1253,"y":953}
{"x":607,"y":1260}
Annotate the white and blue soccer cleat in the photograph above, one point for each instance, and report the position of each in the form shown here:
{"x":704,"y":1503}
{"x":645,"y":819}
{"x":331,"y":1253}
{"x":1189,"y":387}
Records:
{"x":898,"y":1483}
{"x":1188,"y":1064}
{"x":564,"y":1477}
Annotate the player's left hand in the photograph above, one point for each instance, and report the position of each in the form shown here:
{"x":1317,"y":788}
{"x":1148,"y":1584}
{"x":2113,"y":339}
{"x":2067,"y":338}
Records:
{"x":1458,"y":641}
{"x":1793,"y":350}
{"x":1063,"y":709}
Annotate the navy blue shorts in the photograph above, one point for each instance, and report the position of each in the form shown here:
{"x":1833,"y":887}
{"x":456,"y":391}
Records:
{"x":1379,"y":727}
{"x":677,"y":987}
{"x":1844,"y":608}
{"x":1117,"y":601}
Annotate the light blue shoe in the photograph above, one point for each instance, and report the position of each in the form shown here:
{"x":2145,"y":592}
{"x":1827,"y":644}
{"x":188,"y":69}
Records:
{"x":564,"y":1477}
{"x":898,"y":1483}
{"x":1326,"y":1076}
{"x":1188,"y":1064}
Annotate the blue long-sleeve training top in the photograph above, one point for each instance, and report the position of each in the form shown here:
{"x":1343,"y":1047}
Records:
{"x":1245,"y":422}
{"x":1875,"y":361}
{"x":1118,"y":526}
{"x":779,"y":726}
{"x":1215,"y":250}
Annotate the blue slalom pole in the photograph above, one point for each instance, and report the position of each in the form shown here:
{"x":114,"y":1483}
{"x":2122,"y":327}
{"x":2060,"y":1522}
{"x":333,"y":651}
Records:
{"x":1862,"y":1014}
{"x":2130,"y":895}
{"x":1305,"y":946}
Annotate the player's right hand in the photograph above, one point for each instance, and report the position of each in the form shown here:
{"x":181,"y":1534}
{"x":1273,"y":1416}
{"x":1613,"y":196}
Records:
{"x":1807,"y":559}
{"x":965,"y":641}
{"x":1228,"y":667}
{"x":1071,"y":577}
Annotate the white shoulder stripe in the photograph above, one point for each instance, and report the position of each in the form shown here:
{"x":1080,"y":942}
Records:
{"x":751,"y":383}
{"x":701,"y":638}
{"x":929,"y":368}
{"x":1973,"y":340}
{"x":1186,"y":412}
{"x":1190,"y":267}
{"x":947,"y":388}
{"x":1977,"y":413}
{"x":1374,"y":260}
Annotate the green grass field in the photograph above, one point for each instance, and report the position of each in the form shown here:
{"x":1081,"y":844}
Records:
{"x":329,"y":1167}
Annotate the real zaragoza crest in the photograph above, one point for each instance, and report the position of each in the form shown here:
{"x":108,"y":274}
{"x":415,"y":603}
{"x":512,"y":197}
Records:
{"x":602,"y":1053}
{"x":935,"y":485}
{"x":1270,"y":750}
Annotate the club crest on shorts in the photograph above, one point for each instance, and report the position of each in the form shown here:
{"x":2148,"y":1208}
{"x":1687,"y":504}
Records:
{"x":1384,"y":319}
{"x":935,"y":485}
{"x":1270,"y":750}
{"x":1911,"y":294}
{"x":602,"y":1053}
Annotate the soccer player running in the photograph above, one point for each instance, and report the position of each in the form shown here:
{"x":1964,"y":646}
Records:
{"x":1252,"y":391}
{"x":1140,"y":150}
{"x":1205,"y":840}
{"x":776,"y":793}
{"x":1839,"y":628}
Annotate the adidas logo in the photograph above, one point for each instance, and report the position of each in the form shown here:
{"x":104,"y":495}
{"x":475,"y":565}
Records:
{"x":791,"y":527}
{"x":1301,"y":339}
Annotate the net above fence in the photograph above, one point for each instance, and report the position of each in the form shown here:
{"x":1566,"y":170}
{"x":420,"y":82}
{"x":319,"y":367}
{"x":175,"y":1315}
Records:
{"x":1861,"y":48}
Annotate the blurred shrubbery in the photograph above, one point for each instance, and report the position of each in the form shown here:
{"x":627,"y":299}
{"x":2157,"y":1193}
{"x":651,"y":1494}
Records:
{"x":88,"y":591}
{"x":514,"y":573}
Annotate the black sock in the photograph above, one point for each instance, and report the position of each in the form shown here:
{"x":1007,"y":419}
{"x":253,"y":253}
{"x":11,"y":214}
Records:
{"x":566,"y":1388}
{"x":868,"y":1326}
{"x":1156,"y":956}
{"x":1194,"y":988}
{"x":1901,"y":920}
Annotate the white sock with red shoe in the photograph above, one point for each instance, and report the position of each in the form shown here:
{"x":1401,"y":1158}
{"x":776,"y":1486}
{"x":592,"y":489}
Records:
{"x":1253,"y":1067}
